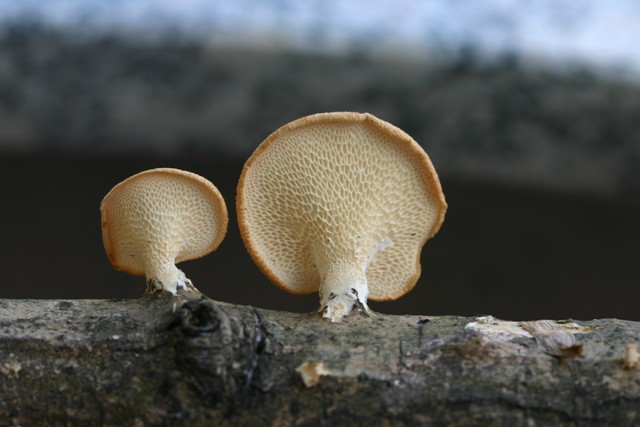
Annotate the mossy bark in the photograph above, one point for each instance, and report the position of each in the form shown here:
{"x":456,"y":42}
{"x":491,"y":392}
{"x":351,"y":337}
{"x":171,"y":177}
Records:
{"x":188,"y":360}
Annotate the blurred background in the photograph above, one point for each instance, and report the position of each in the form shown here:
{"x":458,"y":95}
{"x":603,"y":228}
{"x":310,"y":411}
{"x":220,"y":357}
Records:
{"x":530,"y":112}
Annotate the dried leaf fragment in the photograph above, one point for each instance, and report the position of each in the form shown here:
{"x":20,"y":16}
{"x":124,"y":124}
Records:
{"x":631,"y":359}
{"x":310,"y":372}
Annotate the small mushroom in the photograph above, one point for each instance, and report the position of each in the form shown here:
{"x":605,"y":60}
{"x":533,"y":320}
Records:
{"x":339,"y":203}
{"x":160,"y":217}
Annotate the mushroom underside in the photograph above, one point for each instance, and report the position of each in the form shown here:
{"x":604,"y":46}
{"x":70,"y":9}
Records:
{"x":340,"y":203}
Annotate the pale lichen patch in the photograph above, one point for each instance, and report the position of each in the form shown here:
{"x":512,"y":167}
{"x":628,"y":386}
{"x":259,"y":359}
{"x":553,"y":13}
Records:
{"x":500,"y":329}
{"x":555,"y":338}
{"x":509,"y":330}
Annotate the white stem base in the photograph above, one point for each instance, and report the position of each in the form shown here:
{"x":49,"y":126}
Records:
{"x":170,"y":280}
{"x":343,"y":289}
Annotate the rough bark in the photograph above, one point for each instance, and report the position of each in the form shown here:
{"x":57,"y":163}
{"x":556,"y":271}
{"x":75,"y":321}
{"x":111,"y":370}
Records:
{"x":189,"y":360}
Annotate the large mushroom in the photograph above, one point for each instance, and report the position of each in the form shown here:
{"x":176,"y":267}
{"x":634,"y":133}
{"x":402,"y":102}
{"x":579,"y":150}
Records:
{"x":339,"y":203}
{"x":160,"y":217}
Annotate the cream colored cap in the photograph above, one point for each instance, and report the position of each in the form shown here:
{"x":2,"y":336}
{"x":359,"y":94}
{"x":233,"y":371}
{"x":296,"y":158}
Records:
{"x":339,"y":187}
{"x":161,"y":216}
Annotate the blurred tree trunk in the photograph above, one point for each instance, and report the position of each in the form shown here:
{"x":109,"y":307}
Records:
{"x":189,"y":360}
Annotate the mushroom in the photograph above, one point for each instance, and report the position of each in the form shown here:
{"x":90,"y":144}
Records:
{"x":339,"y":203}
{"x":160,"y":217}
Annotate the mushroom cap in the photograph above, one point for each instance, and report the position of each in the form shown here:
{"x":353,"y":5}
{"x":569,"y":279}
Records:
{"x":339,"y":187}
{"x":166,"y":211}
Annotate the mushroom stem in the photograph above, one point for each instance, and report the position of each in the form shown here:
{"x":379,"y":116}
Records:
{"x":344,"y":287}
{"x":168,"y":278}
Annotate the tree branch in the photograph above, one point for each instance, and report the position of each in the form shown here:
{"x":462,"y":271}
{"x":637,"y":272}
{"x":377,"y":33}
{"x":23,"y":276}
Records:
{"x":193,"y":361}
